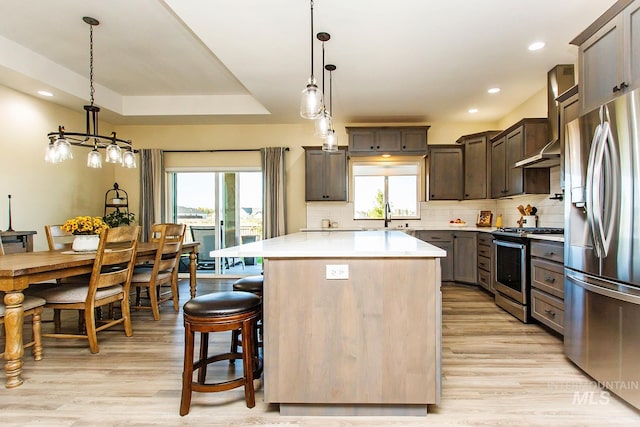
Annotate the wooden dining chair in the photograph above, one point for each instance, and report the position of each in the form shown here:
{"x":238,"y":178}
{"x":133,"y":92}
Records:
{"x":109,"y":283}
{"x":163,"y":272}
{"x":32,"y":307}
{"x":57,"y":238}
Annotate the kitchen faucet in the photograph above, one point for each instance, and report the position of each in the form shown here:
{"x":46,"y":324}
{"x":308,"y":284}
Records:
{"x":387,"y":215}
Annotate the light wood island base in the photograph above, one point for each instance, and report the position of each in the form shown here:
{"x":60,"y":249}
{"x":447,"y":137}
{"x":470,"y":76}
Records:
{"x":366,"y":345}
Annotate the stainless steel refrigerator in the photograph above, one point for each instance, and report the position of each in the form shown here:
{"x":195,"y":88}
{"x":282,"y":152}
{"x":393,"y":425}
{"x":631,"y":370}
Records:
{"x":602,"y":245}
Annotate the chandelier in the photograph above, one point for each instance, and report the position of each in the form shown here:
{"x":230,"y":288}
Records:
{"x":323,"y":120}
{"x":116,"y":150}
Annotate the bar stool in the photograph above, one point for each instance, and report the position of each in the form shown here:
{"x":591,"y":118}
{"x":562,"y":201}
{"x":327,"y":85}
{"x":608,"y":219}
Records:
{"x":219,"y":312}
{"x":253,"y":284}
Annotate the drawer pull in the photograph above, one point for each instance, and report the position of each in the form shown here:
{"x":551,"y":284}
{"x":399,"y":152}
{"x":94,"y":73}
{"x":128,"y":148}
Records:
{"x":550,"y":279}
{"x":550,"y":254}
{"x":550,"y":312}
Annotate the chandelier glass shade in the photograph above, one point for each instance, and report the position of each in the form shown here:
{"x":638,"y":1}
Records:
{"x":116,"y":150}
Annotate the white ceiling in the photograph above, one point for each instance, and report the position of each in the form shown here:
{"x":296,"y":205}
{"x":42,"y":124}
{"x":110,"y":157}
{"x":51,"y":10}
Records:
{"x":246,"y":61}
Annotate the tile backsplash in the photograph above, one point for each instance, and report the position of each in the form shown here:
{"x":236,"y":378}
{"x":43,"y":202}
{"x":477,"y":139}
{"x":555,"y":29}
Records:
{"x":439,"y":213}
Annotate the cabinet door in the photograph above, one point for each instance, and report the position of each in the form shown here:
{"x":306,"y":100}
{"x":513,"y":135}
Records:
{"x":414,"y":140}
{"x":445,"y":173}
{"x":498,"y":172}
{"x":465,"y":261}
{"x":335,"y":176}
{"x":514,"y":151}
{"x":632,"y":23}
{"x":601,"y":61}
{"x":475,"y":168}
{"x":362,"y":140}
{"x":314,"y":175}
{"x":388,"y":140}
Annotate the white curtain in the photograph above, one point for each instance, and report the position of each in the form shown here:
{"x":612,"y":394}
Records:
{"x":274,"y":215}
{"x":151,"y":190}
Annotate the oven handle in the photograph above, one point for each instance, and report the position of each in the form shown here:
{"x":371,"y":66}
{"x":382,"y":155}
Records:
{"x":510,"y":244}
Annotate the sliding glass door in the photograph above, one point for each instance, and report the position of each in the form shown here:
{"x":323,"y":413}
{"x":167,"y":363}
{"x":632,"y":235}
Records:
{"x":221,"y":209}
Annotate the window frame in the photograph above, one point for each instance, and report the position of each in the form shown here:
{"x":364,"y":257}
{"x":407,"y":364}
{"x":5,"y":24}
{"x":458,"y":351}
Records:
{"x":409,"y":160}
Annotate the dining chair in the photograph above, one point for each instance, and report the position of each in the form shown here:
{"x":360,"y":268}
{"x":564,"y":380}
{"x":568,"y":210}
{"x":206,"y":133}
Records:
{"x":109,"y":283}
{"x":162,"y":272}
{"x":206,"y":235}
{"x":32,"y":307}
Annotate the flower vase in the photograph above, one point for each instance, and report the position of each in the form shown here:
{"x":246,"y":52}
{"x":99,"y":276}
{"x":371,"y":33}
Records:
{"x":85,"y":242}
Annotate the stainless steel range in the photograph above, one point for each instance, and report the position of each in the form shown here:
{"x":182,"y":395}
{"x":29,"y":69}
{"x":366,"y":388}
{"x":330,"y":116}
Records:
{"x":512,"y":266}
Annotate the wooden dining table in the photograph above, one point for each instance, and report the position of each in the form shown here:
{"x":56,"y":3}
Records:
{"x":20,"y":270}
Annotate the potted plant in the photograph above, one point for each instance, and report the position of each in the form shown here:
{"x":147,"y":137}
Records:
{"x":87,"y":230}
{"x":119,"y":218}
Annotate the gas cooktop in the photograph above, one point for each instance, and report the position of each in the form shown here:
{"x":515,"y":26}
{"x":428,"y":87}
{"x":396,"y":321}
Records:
{"x":522,"y":231}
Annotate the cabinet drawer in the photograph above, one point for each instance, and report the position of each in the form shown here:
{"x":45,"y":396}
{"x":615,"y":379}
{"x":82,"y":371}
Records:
{"x":547,"y":276}
{"x":485,"y":239}
{"x":485,"y":251}
{"x":484,"y":263}
{"x":435,"y":236}
{"x":548,"y":310}
{"x":484,"y":279}
{"x":553,"y":251}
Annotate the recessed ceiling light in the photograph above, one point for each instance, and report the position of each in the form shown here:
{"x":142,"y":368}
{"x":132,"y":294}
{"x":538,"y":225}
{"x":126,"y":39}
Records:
{"x":494,"y":90}
{"x":386,"y":155}
{"x":536,"y":45}
{"x":44,"y":93}
{"x":473,"y":110}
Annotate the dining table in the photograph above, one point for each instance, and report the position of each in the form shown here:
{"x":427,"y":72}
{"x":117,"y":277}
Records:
{"x":18,"y":271}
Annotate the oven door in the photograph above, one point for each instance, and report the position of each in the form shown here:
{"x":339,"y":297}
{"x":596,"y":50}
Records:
{"x":511,"y":270}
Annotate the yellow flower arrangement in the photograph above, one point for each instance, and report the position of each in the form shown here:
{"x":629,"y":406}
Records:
{"x":85,"y":225}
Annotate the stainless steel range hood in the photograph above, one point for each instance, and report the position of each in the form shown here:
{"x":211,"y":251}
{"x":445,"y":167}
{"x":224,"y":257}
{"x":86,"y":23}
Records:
{"x":559,"y":79}
{"x":547,"y":157}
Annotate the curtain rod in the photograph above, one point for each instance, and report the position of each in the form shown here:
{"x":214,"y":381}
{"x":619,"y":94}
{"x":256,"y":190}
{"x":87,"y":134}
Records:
{"x":216,"y":151}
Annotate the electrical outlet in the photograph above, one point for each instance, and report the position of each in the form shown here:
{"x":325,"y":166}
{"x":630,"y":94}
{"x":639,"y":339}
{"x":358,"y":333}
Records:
{"x":337,"y":271}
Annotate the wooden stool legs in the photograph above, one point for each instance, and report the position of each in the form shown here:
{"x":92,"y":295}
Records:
{"x":246,"y":322}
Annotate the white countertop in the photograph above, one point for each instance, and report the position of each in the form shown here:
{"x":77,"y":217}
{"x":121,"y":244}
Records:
{"x":467,"y":227}
{"x":551,"y":237}
{"x":350,"y":244}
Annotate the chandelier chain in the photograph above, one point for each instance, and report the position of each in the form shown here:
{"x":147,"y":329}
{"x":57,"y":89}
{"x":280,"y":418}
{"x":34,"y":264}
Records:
{"x":91,"y":88}
{"x":312,"y":78}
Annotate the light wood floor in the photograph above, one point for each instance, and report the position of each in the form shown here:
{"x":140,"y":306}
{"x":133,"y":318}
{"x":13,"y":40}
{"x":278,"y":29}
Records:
{"x":496,"y":372}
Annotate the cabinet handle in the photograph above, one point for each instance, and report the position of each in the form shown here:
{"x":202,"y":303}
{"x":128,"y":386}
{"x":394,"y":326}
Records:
{"x":549,"y":254}
{"x":371,"y":147}
{"x":622,"y":86}
{"x":433,"y":195}
{"x":404,"y":147}
{"x":549,"y":279}
{"x":550,"y":312}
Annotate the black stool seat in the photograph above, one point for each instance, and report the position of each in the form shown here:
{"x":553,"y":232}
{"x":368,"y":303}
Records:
{"x":222,"y":304}
{"x":251,"y":284}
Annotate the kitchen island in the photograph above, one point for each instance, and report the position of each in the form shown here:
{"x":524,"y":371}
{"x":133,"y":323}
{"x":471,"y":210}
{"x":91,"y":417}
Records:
{"x":352,"y":322}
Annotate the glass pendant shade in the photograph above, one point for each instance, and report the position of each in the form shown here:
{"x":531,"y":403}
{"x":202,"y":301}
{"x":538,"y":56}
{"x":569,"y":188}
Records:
{"x":129,"y":159}
{"x":114,"y":154}
{"x":311,"y":101}
{"x":330,"y":143}
{"x":94,"y":159}
{"x":323,"y":124}
{"x":63,"y":149}
{"x":51,"y":156}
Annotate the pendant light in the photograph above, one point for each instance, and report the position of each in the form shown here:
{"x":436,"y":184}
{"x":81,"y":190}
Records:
{"x":311,"y":100}
{"x":330,"y":143}
{"x":60,"y":142}
{"x":323,"y":121}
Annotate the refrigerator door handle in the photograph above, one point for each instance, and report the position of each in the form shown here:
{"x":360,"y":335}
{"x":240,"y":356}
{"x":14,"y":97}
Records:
{"x":612,"y":183}
{"x":603,"y":288}
{"x":591,"y":188}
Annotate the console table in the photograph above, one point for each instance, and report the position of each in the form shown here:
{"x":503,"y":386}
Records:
{"x":17,"y":241}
